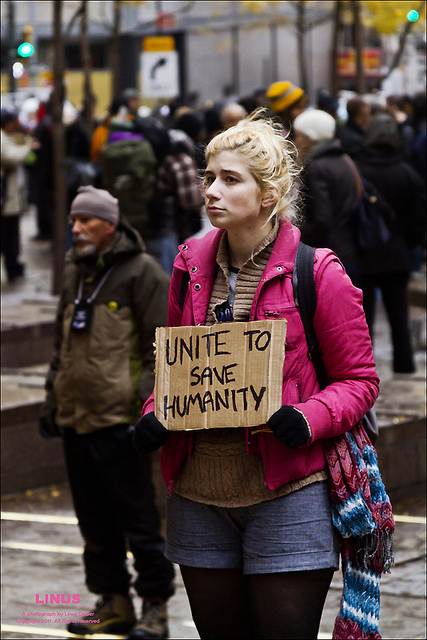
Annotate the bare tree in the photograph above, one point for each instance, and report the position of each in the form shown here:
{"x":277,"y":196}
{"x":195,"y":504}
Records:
{"x":88,"y":96}
{"x":115,"y":49}
{"x":358,"y":46}
{"x":10,"y":35}
{"x":402,"y":41}
{"x":335,"y":84}
{"x":301,"y":28}
{"x":59,"y":162}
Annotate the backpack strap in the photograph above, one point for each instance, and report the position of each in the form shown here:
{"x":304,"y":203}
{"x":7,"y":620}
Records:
{"x":306,"y":300}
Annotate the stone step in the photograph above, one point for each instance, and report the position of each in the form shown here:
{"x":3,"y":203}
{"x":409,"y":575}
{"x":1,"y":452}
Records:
{"x":27,"y":331}
{"x":29,"y":461}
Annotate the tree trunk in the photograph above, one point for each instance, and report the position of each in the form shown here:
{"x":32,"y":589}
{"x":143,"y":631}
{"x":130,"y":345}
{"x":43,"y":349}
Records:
{"x":301,"y":31}
{"x":88,"y":96}
{"x":335,"y":81}
{"x":358,"y":46}
{"x":115,"y":52}
{"x":402,"y":41}
{"x":59,"y":164}
{"x":10,"y":41}
{"x":274,"y":55}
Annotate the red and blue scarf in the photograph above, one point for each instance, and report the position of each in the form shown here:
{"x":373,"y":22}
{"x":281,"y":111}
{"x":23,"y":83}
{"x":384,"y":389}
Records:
{"x":362,"y":513}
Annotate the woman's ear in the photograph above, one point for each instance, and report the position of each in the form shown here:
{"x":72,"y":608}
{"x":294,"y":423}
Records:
{"x":270,"y":198}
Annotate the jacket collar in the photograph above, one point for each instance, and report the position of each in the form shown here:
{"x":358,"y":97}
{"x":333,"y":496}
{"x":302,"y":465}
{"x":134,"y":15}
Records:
{"x":284,"y":250}
{"x":200,"y":254}
{"x":199,"y":258}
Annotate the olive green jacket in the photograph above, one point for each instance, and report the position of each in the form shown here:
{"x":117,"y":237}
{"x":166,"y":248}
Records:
{"x":101,"y":377}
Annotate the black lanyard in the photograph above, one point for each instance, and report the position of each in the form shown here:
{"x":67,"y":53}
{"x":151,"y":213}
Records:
{"x":83,"y":308}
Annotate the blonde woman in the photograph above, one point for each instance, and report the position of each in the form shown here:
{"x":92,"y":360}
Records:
{"x":248,"y":514}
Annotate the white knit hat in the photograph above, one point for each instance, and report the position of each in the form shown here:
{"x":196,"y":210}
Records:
{"x":315,"y":124}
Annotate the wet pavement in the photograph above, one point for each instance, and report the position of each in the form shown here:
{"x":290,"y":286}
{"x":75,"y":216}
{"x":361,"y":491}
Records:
{"x":41,"y":543}
{"x":41,"y":554}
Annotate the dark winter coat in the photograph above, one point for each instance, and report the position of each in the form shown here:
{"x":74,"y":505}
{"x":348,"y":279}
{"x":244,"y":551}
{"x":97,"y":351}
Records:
{"x":404,"y":191}
{"x":330,"y":201}
{"x":101,"y":377}
{"x":351,"y":137}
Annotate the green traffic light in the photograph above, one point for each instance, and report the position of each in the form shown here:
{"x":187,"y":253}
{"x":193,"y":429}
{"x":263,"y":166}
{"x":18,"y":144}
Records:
{"x":25,"y":49}
{"x":413,"y":15}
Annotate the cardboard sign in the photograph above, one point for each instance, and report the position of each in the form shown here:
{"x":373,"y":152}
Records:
{"x":227,"y":375}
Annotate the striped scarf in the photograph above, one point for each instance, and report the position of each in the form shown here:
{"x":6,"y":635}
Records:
{"x":362,"y":513}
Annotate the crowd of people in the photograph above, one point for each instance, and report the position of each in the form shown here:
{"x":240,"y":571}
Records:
{"x":210,"y":203}
{"x":152,"y":162}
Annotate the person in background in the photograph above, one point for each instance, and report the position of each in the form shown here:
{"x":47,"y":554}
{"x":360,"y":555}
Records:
{"x":13,"y":190}
{"x":130,"y":99}
{"x":388,"y":267}
{"x":249,"y":515}
{"x":330,"y":196}
{"x":178,"y":183}
{"x":102,"y":130}
{"x":231,"y":113}
{"x":212,"y":113}
{"x":400,"y":107}
{"x":287,"y":101}
{"x":328,"y":103}
{"x":114,"y":295}
{"x":43,"y":167}
{"x":419,"y":146}
{"x":352,"y":133}
{"x":418,"y":253}
{"x":193,"y":123}
{"x":253,"y":101}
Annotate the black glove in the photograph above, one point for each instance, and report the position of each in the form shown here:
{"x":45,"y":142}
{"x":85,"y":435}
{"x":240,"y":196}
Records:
{"x":48,"y":427}
{"x":149,"y":434}
{"x":290,"y":427}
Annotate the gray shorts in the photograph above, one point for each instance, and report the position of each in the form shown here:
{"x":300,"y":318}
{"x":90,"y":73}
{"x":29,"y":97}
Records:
{"x":292,"y":533}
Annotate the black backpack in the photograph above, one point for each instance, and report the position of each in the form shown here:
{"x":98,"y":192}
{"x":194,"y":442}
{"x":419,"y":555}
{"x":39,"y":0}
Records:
{"x":375,"y":218}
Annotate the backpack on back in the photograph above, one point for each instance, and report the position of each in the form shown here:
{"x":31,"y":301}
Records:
{"x":128,"y":168}
{"x":375,"y":217}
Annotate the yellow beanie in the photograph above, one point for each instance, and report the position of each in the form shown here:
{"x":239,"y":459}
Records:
{"x":281,"y":95}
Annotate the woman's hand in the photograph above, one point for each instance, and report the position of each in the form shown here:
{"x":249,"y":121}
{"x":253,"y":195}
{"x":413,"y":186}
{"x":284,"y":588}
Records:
{"x":290,"y":426}
{"x":149,"y":434}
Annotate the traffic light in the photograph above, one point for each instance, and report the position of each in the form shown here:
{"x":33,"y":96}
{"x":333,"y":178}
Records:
{"x":26,"y":49}
{"x":413,"y":15}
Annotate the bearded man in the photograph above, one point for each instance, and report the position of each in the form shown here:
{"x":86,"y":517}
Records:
{"x":114,"y":295}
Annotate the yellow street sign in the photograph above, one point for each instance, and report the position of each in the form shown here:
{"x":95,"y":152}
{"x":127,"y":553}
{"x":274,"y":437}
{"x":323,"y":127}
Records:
{"x":159,"y":43}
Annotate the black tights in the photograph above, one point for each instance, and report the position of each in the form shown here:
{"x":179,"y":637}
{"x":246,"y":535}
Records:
{"x":226,"y":604}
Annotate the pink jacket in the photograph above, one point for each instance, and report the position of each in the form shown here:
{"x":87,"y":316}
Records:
{"x":343,"y":337}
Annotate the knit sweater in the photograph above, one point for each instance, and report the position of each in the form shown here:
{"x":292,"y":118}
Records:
{"x":219,"y":470}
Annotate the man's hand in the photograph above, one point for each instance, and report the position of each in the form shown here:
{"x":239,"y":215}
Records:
{"x":48,"y":427}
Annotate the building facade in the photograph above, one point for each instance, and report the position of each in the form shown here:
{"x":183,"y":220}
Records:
{"x":199,"y":50}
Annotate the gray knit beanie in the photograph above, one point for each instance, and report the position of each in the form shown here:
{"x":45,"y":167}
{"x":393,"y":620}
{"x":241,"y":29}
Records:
{"x":95,"y":202}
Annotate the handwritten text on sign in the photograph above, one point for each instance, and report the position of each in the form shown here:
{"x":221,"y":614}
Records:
{"x":227,"y":375}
